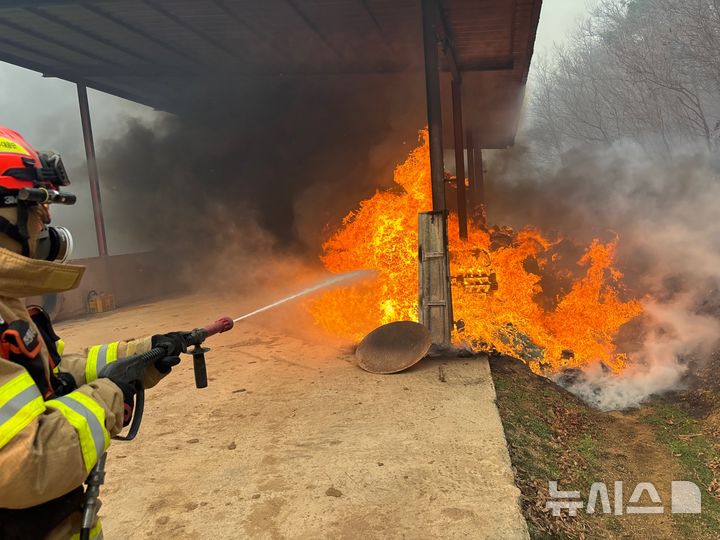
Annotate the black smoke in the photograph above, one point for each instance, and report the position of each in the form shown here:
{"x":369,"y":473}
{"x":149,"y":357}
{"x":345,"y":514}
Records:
{"x":285,"y":159}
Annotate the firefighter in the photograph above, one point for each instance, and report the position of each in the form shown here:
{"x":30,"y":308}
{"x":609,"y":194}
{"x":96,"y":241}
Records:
{"x":56,"y":416}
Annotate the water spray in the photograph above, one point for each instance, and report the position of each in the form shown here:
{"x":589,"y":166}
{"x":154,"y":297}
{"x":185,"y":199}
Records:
{"x":322,"y":285}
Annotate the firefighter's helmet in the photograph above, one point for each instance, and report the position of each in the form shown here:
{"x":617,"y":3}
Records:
{"x":21,"y":166}
{"x":31,"y":178}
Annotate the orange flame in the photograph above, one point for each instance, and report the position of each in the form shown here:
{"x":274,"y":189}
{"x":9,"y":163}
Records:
{"x":382,"y":234}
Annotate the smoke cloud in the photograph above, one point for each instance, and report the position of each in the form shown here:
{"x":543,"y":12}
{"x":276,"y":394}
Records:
{"x":287,"y":158}
{"x":664,"y":211}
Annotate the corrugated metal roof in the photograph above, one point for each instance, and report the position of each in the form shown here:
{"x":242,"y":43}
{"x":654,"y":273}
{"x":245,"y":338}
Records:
{"x":143,"y":49}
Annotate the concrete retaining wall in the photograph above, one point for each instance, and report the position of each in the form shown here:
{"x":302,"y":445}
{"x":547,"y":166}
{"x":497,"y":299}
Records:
{"x":131,"y":278}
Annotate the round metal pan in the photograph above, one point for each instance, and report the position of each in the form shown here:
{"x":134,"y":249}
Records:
{"x":393,"y":347}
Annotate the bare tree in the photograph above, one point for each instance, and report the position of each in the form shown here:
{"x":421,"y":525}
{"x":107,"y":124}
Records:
{"x":647,"y":70}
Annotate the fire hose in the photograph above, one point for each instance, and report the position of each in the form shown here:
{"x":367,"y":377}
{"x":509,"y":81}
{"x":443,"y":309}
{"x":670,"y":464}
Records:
{"x":132,"y":370}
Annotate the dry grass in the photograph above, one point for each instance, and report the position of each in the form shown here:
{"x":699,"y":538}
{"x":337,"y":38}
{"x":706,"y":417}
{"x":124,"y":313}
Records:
{"x":554,"y":436}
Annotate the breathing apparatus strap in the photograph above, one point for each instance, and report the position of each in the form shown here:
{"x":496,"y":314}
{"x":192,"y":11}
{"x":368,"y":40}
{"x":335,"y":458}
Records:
{"x":39,"y":176}
{"x":16,"y":232}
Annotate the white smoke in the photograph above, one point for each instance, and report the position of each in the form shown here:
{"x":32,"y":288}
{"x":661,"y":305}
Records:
{"x":676,"y":337}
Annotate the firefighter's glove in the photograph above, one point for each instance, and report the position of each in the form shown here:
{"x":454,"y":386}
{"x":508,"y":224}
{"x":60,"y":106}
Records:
{"x":174,"y":344}
{"x":164,"y":365}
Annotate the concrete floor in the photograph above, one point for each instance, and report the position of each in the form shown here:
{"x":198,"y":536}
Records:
{"x":291,"y":440}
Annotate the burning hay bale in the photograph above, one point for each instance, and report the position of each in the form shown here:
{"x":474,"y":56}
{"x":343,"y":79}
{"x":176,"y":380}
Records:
{"x":501,"y":287}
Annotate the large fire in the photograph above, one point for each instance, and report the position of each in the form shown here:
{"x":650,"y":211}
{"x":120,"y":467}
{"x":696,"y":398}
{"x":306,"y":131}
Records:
{"x":497,"y":287}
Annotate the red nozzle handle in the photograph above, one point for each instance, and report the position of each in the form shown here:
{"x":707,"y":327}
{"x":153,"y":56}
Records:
{"x":219,"y":326}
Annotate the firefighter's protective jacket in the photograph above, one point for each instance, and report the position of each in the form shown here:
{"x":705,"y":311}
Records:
{"x":49,"y":444}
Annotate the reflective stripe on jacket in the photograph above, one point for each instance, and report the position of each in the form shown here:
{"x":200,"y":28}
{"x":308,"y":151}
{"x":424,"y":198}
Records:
{"x":98,"y":357}
{"x":20,"y":404}
{"x":88,"y":419}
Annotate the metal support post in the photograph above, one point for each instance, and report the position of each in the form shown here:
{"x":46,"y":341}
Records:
{"x":481,"y":202}
{"x":472,"y":180}
{"x":92,"y":170}
{"x":459,"y":158}
{"x":434,"y":107}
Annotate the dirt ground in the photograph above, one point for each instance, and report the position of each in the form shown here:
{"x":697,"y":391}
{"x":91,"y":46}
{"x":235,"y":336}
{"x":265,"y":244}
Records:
{"x":292,"y":440}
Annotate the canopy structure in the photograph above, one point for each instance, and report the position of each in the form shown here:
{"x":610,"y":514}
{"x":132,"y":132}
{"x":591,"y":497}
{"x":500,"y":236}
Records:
{"x":475,"y":56}
{"x":144,"y":50}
